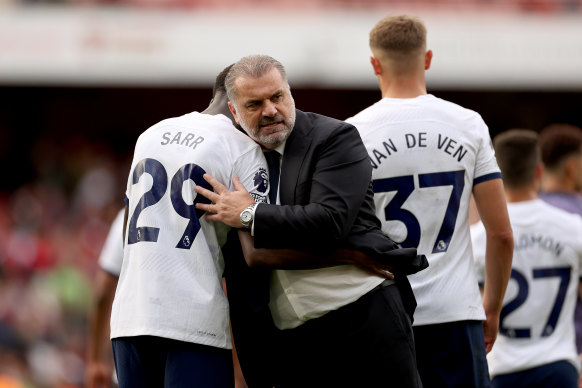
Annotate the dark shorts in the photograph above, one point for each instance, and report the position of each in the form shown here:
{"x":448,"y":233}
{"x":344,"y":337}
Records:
{"x":145,"y":361}
{"x":452,"y":355}
{"x":560,"y":374}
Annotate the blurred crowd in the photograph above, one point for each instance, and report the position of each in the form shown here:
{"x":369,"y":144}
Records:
{"x":51,"y":233}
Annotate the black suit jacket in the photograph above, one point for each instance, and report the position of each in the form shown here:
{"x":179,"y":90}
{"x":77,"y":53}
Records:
{"x":327,"y":202}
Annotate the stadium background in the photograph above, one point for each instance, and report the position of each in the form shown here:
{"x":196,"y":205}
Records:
{"x":81,"y":79}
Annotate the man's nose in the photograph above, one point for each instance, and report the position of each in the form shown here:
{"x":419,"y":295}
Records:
{"x":269,"y":109}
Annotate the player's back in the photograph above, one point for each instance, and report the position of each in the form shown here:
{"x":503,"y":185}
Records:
{"x":170,"y":282}
{"x":537,"y":320}
{"x":426,"y":155}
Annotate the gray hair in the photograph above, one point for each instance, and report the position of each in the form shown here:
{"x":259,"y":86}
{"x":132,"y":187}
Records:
{"x":253,"y":66}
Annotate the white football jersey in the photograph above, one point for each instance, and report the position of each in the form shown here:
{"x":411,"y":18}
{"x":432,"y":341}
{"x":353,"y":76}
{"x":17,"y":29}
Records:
{"x":537,"y":320}
{"x":112,"y":252}
{"x":426,"y":155}
{"x":171,"y":278}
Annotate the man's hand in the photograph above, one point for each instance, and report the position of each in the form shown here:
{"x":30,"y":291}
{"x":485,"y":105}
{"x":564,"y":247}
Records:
{"x":226,"y":205}
{"x":490,"y":328}
{"x":98,"y":375}
{"x":365,"y":262}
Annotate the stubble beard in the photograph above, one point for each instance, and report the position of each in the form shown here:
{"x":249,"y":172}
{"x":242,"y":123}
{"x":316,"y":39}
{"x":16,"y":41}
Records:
{"x":269,"y":141}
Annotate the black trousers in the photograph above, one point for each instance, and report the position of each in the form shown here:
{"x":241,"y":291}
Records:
{"x":368,"y":343}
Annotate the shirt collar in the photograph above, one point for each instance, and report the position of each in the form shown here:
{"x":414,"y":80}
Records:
{"x":280,"y":148}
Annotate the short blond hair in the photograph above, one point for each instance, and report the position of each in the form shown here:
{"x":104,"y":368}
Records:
{"x":399,"y":34}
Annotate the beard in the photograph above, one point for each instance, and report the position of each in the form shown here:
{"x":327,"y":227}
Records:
{"x":270,"y":139}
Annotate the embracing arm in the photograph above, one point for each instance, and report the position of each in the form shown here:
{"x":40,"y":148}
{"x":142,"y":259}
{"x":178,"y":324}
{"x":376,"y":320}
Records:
{"x":295,"y":259}
{"x":491,"y":203}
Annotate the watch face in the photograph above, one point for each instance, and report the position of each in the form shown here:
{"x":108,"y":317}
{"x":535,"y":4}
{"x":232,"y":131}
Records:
{"x":245,"y":218}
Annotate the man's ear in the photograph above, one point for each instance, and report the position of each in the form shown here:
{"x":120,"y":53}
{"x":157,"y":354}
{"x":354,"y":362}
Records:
{"x":375,"y":62}
{"x":539,"y":172}
{"x":427,"y":59}
{"x":233,"y":111}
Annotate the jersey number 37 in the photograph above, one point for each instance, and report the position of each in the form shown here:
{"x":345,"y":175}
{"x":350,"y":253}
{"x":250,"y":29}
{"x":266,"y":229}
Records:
{"x":404,"y":186}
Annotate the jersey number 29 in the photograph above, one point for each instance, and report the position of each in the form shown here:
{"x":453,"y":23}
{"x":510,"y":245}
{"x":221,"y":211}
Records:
{"x":158,"y":190}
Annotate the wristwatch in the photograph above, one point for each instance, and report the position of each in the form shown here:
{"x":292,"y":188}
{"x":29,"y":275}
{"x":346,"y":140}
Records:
{"x":247,"y":215}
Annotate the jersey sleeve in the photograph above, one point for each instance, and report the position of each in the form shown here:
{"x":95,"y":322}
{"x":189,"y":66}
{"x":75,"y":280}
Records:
{"x":486,"y":167}
{"x":478,"y":242}
{"x":111,"y":255}
{"x":251,"y":168}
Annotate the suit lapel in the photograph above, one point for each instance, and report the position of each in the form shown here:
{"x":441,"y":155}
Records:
{"x":293,"y":157}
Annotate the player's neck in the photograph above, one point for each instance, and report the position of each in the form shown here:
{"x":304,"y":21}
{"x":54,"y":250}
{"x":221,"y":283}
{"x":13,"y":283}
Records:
{"x":402,"y":87}
{"x":521,"y":194}
{"x":219,"y":105}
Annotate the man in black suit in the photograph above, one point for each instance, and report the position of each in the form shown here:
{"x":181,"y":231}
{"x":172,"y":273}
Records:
{"x":336,"y":326}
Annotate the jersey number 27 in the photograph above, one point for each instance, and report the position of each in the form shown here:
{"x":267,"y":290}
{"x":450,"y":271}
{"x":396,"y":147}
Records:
{"x":563,"y":273}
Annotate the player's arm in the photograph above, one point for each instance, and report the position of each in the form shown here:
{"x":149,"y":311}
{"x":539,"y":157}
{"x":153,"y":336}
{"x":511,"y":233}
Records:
{"x":99,"y":371}
{"x":492,"y":207}
{"x":295,"y":259}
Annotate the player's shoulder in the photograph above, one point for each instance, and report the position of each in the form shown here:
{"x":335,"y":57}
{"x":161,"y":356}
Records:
{"x":166,"y":124}
{"x":453,"y":108}
{"x":553,"y":220}
{"x":365,"y":119}
{"x":459,"y":119}
{"x":229,"y":141}
{"x":564,"y":226}
{"x":217,"y":128}
{"x":561,"y":216}
{"x":197,"y":120}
